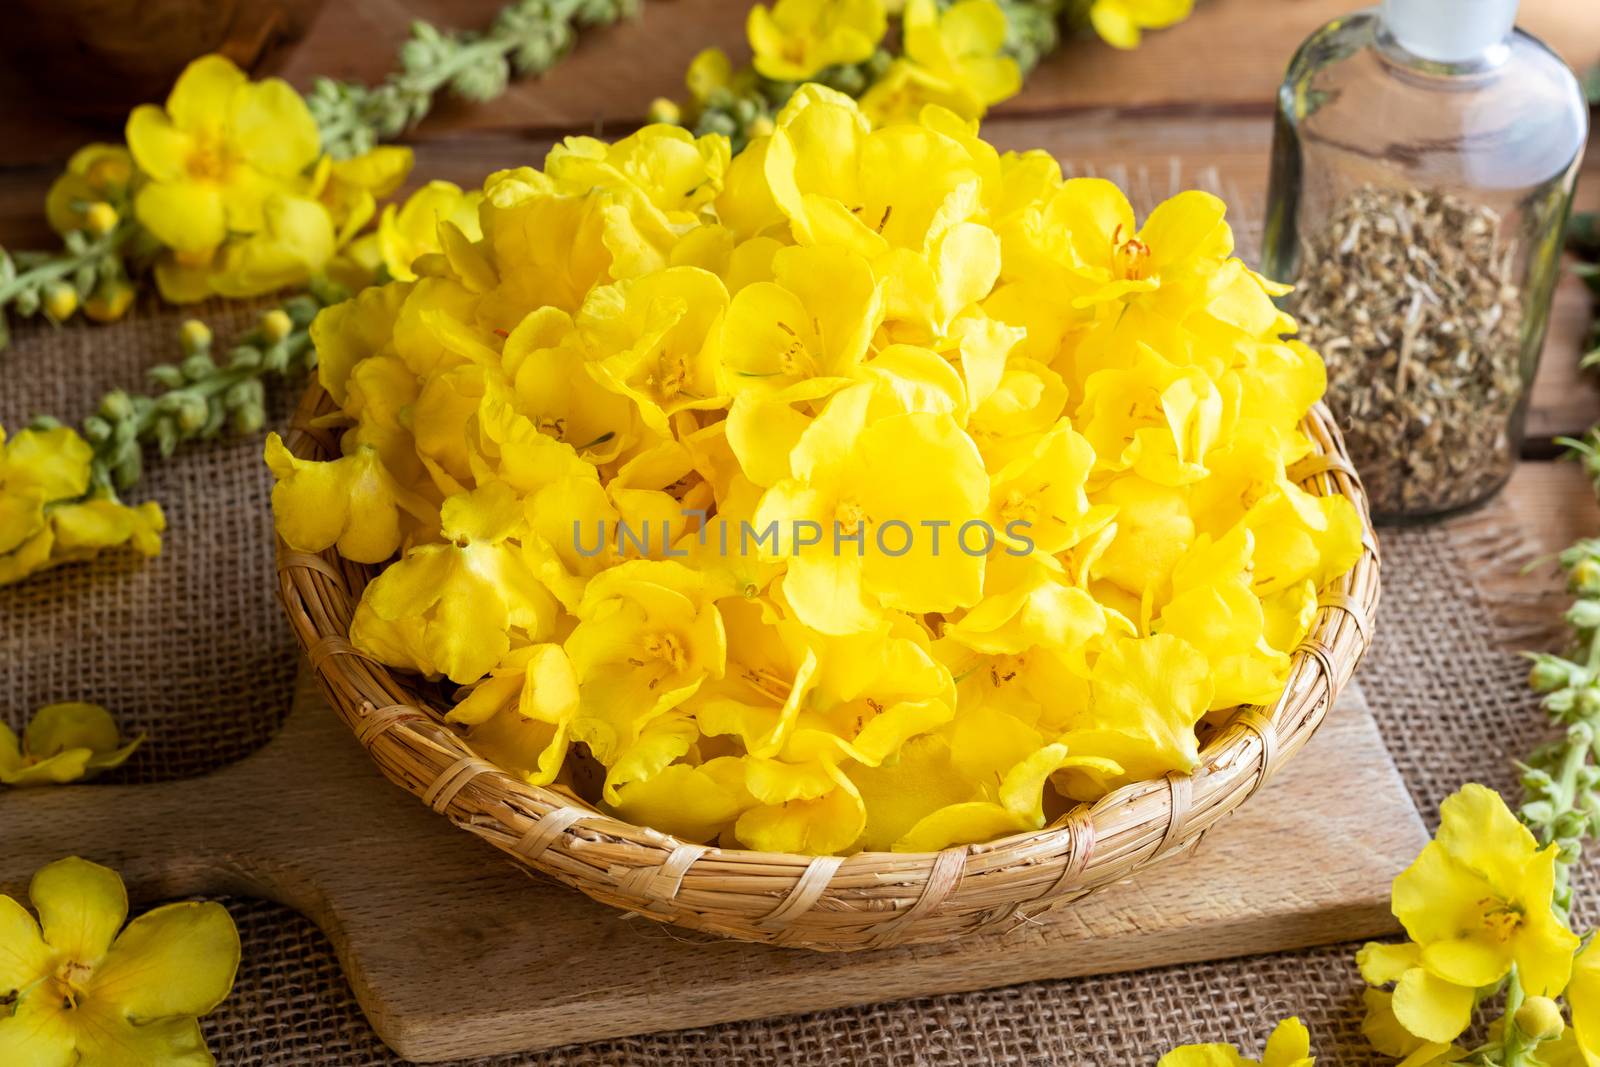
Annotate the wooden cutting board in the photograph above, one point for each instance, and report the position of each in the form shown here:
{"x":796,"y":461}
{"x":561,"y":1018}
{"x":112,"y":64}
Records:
{"x":452,"y":952}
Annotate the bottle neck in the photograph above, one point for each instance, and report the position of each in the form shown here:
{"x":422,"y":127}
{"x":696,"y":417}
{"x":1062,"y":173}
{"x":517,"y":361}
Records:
{"x":1450,"y":32}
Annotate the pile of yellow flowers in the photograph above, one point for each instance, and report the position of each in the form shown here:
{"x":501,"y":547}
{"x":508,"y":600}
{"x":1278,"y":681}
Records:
{"x":49,"y":512}
{"x":231,"y":191}
{"x":866,"y":490}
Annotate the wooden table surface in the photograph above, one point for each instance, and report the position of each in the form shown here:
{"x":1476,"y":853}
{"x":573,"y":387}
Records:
{"x":1199,"y":94}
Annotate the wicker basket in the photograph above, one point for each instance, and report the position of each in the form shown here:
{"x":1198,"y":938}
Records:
{"x":869,"y":900}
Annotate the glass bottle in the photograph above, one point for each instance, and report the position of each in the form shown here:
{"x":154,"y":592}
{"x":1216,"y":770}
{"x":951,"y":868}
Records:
{"x":1422,"y":171}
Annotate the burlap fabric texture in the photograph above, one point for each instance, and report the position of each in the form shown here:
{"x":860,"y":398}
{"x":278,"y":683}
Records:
{"x":191,"y":648}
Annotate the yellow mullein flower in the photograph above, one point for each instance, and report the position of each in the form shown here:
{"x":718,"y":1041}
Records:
{"x":520,"y":714}
{"x":1040,"y":495}
{"x":1478,"y":899}
{"x":45,"y":518}
{"x":953,"y":59}
{"x":296,"y":241}
{"x":351,"y":188}
{"x":38,"y":467}
{"x":852,"y":479}
{"x":655,"y":340}
{"x":74,"y":990}
{"x":1145,"y":697}
{"x":96,"y":174}
{"x":794,"y":39}
{"x":1119,"y":22}
{"x":1476,"y":902}
{"x":63,"y":743}
{"x":1214,"y":609}
{"x":352,"y":502}
{"x":812,"y":323}
{"x":411,"y":230}
{"x":216,"y":154}
{"x":666,"y":167}
{"x":455,"y":608}
{"x":1289,"y":1046}
{"x":654,"y":617}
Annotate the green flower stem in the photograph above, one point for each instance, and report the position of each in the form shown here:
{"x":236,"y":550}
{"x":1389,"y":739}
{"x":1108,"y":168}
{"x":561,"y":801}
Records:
{"x":84,"y":262}
{"x":527,"y":37}
{"x":197,"y":397}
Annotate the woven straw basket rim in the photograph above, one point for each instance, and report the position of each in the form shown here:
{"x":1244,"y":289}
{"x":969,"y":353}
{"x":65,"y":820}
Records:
{"x":868,"y":900}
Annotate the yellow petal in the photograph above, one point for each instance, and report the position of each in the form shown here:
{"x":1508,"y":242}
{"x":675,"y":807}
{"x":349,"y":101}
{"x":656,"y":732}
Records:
{"x":24,"y":956}
{"x":272,"y":126}
{"x":1431,"y":1008}
{"x":203,"y":93}
{"x":1582,"y":994}
{"x":184,"y":215}
{"x":161,"y":149}
{"x":81,"y":906}
{"x":1381,"y":964}
{"x":178,"y":959}
{"x":38,"y":1033}
{"x":104,"y":1038}
{"x":70,"y":725}
{"x":1289,"y":1045}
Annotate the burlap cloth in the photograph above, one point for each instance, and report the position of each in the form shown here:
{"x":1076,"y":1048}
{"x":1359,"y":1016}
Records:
{"x":192,"y":649}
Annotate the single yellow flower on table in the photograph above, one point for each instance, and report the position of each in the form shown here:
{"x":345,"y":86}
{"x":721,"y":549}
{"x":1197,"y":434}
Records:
{"x":1475,"y":903}
{"x":217,"y":153}
{"x":76,"y":993}
{"x":795,"y":39}
{"x":45,"y":517}
{"x":63,"y":743}
{"x":1289,"y":1046}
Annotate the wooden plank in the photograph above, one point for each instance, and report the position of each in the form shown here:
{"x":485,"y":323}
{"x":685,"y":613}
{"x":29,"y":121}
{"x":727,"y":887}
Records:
{"x":454,"y":953}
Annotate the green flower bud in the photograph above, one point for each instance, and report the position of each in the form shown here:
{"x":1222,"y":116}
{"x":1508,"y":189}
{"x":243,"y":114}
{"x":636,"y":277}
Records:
{"x":248,"y":418}
{"x":26,"y":302}
{"x":245,"y":357}
{"x":1561,"y":701}
{"x":116,"y":405}
{"x":276,"y":325}
{"x":1587,"y":701}
{"x":1550,"y":673}
{"x":165,"y":375}
{"x":1570,"y":824}
{"x":192,"y":415}
{"x":60,"y":300}
{"x":166,"y":434}
{"x":1538,"y":812}
{"x":1584,"y":578}
{"x":302,"y":309}
{"x":1540,"y":1018}
{"x":194,"y":336}
{"x":1584,"y":614}
{"x":198,"y":367}
{"x":129,"y":468}
{"x":96,"y":430}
